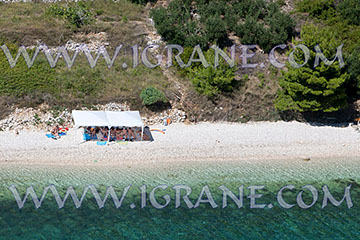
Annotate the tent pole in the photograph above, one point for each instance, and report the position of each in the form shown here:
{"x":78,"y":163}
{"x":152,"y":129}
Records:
{"x":108,"y":136}
{"x":142,"y":132}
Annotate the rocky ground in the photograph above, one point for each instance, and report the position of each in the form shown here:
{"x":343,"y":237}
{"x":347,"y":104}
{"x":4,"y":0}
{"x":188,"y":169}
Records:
{"x":44,"y":117}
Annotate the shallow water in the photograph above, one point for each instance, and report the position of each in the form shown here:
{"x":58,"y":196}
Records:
{"x":204,"y":222}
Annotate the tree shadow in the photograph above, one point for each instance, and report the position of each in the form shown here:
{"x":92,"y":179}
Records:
{"x":159,"y":107}
{"x":340,"y":118}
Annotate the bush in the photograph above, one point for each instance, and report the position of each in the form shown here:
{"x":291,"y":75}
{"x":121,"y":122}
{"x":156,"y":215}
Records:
{"x":266,"y":28}
{"x":322,"y":9}
{"x":252,"y":32}
{"x":353,"y":68}
{"x":350,"y":10}
{"x":76,"y":14}
{"x":174,"y":24}
{"x":256,"y":22}
{"x":211,"y":81}
{"x":330,"y":11}
{"x":311,"y":89}
{"x":215,"y":30}
{"x":151,"y":96}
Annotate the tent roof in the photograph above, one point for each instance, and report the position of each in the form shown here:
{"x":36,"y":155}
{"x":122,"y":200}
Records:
{"x":107,"y":118}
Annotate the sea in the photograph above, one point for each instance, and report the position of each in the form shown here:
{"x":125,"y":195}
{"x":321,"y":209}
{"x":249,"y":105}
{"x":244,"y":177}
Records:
{"x":192,"y":200}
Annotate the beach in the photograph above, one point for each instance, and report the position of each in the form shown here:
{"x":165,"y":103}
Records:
{"x":253,"y":142}
{"x":268,"y":154}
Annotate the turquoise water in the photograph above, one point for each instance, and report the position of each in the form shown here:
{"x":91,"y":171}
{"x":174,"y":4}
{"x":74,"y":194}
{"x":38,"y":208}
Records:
{"x":203,"y":222}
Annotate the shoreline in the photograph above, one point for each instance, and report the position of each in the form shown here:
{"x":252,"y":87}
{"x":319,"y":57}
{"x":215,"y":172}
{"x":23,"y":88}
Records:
{"x":324,"y":170}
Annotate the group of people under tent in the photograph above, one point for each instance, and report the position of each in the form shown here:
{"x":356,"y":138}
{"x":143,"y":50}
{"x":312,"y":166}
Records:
{"x":114,"y":134}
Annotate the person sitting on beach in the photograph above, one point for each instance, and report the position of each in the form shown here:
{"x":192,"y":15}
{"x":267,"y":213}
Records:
{"x":93,"y":132}
{"x":118,"y":134}
{"x":87,"y":130}
{"x":112,"y":134}
{"x":105,"y":132}
{"x":55,"y":131}
{"x":132,"y":136}
{"x":124,"y":133}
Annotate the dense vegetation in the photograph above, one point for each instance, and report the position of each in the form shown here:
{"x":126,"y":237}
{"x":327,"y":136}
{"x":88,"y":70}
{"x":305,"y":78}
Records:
{"x":189,"y":23}
{"x":203,"y":23}
{"x":322,"y":88}
{"x":221,"y":93}
{"x":211,"y":80}
{"x":332,"y":11}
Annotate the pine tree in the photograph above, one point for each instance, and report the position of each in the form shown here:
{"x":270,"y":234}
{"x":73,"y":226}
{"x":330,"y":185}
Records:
{"x":310,"y":88}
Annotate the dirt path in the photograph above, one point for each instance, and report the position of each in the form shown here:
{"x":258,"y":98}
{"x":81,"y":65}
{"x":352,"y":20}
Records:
{"x":154,"y":38}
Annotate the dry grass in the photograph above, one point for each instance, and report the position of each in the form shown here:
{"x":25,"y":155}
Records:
{"x":25,"y":23}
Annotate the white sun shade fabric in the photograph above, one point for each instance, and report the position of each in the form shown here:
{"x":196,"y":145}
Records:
{"x":90,"y":118}
{"x":107,"y":118}
{"x":126,"y":119}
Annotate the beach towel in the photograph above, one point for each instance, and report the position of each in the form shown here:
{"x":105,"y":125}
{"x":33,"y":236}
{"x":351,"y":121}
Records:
{"x":101,"y":143}
{"x":86,"y":136}
{"x":51,"y":136}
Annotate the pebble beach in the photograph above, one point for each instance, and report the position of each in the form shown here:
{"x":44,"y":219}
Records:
{"x":181,"y":143}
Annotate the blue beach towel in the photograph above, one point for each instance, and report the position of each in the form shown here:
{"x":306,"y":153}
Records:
{"x":50,"y":136}
{"x":101,"y":143}
{"x":86,"y":137}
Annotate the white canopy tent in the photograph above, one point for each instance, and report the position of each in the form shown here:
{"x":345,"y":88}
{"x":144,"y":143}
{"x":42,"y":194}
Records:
{"x":108,"y":119}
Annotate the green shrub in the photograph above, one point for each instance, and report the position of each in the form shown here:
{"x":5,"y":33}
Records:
{"x":353,"y":68}
{"x":252,"y":32}
{"x":350,"y":10}
{"x":211,"y":81}
{"x":281,"y":3}
{"x":255,"y":22}
{"x":151,"y":95}
{"x":124,"y":19}
{"x":215,"y":30}
{"x":330,"y":11}
{"x":174,"y":24}
{"x":266,"y":28}
{"x":245,"y":77}
{"x":76,"y":14}
{"x":322,"y":9}
{"x":261,"y":77}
